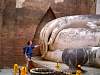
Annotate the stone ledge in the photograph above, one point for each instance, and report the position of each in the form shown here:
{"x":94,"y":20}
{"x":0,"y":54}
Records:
{"x":39,"y":62}
{"x":47,"y":64}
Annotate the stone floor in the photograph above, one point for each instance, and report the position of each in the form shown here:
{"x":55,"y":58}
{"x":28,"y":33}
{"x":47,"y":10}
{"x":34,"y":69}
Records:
{"x":7,"y":72}
{"x":10,"y":72}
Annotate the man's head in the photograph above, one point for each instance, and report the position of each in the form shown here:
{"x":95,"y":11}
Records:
{"x":29,"y":42}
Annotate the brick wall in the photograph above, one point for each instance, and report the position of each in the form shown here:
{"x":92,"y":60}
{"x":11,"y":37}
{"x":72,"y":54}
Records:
{"x":0,"y":39}
{"x":1,"y":18}
{"x":7,"y":34}
{"x":17,"y":26}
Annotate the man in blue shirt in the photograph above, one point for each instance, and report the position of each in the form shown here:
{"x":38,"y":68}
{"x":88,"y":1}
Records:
{"x":28,"y":49}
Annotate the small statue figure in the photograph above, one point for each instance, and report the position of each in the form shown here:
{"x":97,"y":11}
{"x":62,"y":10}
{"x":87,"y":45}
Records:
{"x":23,"y":71}
{"x":15,"y":69}
{"x":58,"y":66}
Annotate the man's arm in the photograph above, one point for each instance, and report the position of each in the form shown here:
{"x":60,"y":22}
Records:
{"x":34,"y":46}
